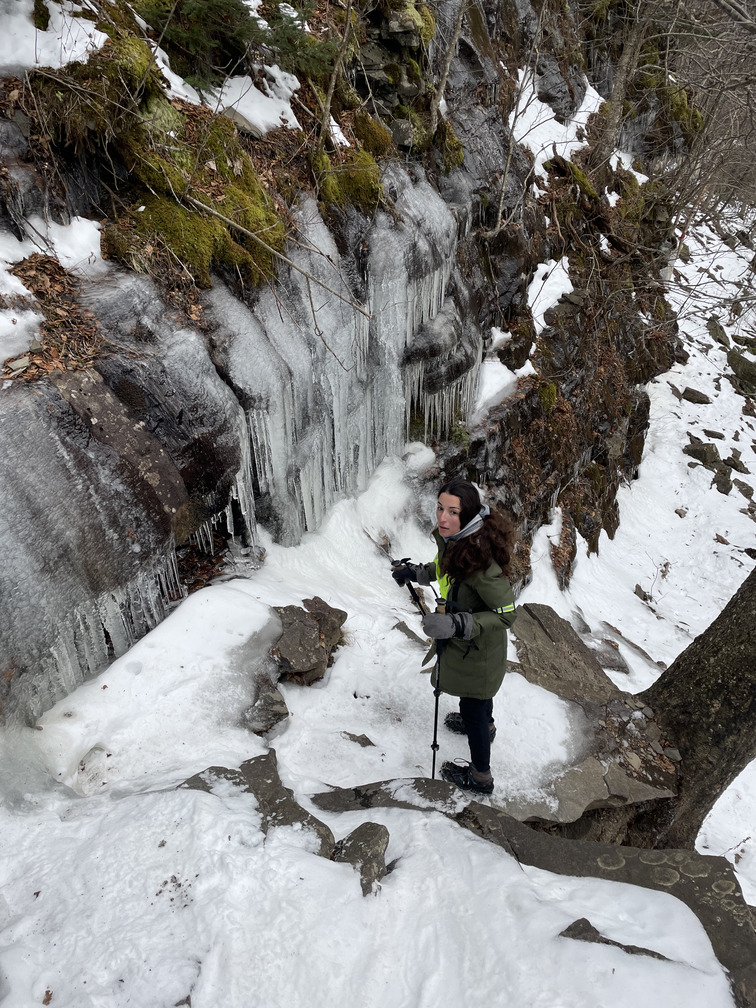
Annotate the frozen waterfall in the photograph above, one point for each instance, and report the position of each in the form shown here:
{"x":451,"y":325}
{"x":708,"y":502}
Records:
{"x":270,"y":411}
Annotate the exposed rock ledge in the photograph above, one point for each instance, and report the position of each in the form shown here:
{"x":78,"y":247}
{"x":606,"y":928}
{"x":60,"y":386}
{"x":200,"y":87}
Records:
{"x":704,"y":883}
{"x":624,"y":758}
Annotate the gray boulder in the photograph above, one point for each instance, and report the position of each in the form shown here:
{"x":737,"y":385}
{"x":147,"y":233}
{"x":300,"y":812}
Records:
{"x":365,"y":849}
{"x":303,"y":652}
{"x":694,"y":396}
{"x":268,"y":710}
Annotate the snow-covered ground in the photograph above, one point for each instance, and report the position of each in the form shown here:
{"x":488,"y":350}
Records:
{"x":119,"y":890}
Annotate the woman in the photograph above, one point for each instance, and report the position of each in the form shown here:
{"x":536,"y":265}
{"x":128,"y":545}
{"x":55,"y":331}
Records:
{"x":472,"y":567}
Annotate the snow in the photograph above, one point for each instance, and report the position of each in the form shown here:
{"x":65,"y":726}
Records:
{"x":259,"y":109}
{"x":535,"y":126}
{"x":66,"y":39}
{"x":180,"y":889}
{"x":550,"y":283}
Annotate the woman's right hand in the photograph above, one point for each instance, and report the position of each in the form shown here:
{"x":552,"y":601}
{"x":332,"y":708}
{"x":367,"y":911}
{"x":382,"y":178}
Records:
{"x":406,"y":571}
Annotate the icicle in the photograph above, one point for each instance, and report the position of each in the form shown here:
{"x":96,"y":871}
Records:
{"x":441,"y":409}
{"x":203,"y":538}
{"x":169,"y":579}
{"x":242,"y":491}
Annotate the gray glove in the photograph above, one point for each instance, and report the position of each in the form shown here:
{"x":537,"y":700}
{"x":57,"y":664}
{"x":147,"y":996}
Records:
{"x":441,"y":626}
{"x":410,"y":572}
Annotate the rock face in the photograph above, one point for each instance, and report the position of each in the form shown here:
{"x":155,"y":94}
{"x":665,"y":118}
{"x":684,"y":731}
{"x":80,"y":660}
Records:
{"x":102,"y":471}
{"x":241,"y":405}
{"x":552,"y":655}
{"x":624,"y":758}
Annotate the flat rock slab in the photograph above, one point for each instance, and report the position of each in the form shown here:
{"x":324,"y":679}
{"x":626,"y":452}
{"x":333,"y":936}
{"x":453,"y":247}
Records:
{"x":276,"y":803}
{"x":704,"y":883}
{"x":552,"y":655}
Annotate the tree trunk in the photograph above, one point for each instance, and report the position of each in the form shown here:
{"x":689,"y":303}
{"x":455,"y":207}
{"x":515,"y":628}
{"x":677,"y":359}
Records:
{"x":705,"y":703}
{"x":441,"y":86}
{"x":598,"y":158}
{"x":325,"y":118}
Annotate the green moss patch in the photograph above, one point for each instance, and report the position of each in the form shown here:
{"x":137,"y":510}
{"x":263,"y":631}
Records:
{"x":180,"y":152}
{"x":85,"y":105}
{"x":449,"y":145}
{"x":373,"y":136}
{"x":356,"y":179}
{"x":547,"y":393}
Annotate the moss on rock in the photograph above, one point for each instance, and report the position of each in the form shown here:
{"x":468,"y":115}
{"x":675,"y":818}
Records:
{"x":449,"y":145}
{"x":356,"y":180}
{"x":373,"y":136}
{"x":547,"y":393}
{"x":428,"y":29}
{"x":178,"y":157}
{"x":85,"y":105}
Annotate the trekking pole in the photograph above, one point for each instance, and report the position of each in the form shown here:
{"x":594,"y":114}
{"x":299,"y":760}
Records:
{"x":415,"y":597}
{"x":436,"y":694}
{"x":439,"y":648}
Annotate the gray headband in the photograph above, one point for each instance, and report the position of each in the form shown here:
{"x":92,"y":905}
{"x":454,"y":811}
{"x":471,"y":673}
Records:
{"x":472,"y":526}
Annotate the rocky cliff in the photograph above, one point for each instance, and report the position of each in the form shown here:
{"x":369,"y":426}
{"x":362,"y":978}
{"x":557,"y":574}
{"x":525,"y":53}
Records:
{"x":199,"y":380}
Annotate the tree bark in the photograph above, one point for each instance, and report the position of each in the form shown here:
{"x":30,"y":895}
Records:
{"x":598,"y":158}
{"x":705,"y":703}
{"x":325,"y":119}
{"x":441,"y":86}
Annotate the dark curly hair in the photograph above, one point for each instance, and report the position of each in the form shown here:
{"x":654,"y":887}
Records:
{"x":493,"y":541}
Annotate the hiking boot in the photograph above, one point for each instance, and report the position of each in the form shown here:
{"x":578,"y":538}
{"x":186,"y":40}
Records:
{"x":455,"y":723}
{"x":466,"y":777}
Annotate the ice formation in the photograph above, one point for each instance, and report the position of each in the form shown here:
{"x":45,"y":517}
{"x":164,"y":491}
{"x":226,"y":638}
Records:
{"x":291,"y":402}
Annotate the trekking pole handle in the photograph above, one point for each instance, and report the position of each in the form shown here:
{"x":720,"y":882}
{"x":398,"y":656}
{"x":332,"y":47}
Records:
{"x":415,"y":597}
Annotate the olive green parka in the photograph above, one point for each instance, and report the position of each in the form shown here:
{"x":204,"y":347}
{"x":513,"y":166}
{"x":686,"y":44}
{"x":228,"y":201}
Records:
{"x":475,"y":667}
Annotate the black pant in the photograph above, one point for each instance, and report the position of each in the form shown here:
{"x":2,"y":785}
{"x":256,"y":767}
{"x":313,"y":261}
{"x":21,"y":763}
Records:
{"x":478,"y":715}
